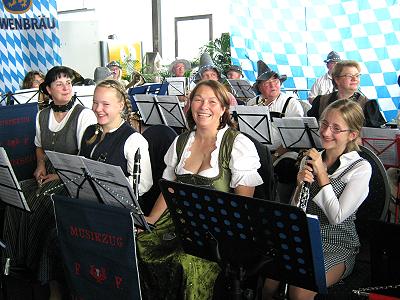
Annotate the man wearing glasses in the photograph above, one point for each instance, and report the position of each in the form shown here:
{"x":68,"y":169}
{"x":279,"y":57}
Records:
{"x":346,"y":79}
{"x":324,"y":84}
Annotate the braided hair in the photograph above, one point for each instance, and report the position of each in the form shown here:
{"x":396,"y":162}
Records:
{"x":121,"y":93}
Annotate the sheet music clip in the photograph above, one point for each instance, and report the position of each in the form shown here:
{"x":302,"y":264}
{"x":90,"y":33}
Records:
{"x":243,"y":234}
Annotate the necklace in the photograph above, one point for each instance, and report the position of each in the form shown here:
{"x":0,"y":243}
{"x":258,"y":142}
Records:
{"x":64,"y":107}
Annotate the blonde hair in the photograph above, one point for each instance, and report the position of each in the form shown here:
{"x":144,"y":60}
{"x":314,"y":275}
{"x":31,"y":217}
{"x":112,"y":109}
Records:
{"x":121,"y":93}
{"x":352,"y":114}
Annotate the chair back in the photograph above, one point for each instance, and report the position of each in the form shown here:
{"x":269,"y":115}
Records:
{"x":375,"y":206}
{"x":268,"y":189}
{"x":160,"y":138}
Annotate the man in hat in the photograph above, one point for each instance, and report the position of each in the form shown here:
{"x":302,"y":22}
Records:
{"x":324,"y":85}
{"x":178,"y":67}
{"x":234,"y":72}
{"x":102,"y":73}
{"x":268,"y":86}
{"x":116,"y":70}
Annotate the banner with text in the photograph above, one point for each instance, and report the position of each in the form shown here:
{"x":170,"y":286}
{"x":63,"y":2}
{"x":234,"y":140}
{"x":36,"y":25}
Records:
{"x":98,"y":249}
{"x":29,"y":40}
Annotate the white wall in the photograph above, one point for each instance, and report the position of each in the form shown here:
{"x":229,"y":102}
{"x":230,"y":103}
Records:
{"x":131,"y":21}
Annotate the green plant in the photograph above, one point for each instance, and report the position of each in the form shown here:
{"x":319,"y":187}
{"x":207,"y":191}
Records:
{"x":220,"y":51}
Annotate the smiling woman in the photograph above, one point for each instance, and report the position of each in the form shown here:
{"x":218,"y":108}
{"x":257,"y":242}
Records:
{"x":214,"y":155}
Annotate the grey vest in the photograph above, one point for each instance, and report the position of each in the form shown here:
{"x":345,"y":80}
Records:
{"x":65,"y":140}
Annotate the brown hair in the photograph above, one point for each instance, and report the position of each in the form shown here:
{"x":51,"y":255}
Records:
{"x":352,"y":114}
{"x":338,"y":68}
{"x":222,"y":95}
{"x":121,"y":93}
{"x":29,"y":78}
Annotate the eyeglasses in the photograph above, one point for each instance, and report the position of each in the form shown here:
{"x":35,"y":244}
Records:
{"x":334,"y":128}
{"x":270,"y":82}
{"x":350,"y":76}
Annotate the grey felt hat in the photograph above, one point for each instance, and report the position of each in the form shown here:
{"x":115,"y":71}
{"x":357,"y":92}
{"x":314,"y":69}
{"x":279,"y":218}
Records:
{"x":235,"y":68}
{"x":101,"y":73}
{"x":186,"y":63}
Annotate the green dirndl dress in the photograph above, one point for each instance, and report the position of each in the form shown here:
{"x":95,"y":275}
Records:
{"x":166,"y":271}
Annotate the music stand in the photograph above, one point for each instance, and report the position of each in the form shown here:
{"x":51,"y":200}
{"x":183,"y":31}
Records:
{"x":298,"y":133}
{"x":21,"y":96}
{"x":96,"y":181}
{"x":84,"y":94}
{"x":242,"y":89}
{"x":238,"y":232}
{"x":176,"y":86}
{"x":255,"y":121}
{"x":161,"y":110}
{"x":10,"y":190}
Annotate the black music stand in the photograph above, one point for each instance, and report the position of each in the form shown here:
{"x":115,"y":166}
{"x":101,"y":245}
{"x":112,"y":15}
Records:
{"x":21,"y":97}
{"x":242,"y":234}
{"x":96,"y":181}
{"x":176,"y":86}
{"x":255,"y":121}
{"x":161,"y":110}
{"x":242,"y":89}
{"x":299,"y":133}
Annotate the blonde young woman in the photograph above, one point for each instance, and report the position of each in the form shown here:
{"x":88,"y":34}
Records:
{"x":339,"y":180}
{"x":113,"y":140}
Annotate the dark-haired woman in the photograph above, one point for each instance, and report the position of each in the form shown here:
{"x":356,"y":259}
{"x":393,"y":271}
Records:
{"x":211,"y":154}
{"x":60,"y":128}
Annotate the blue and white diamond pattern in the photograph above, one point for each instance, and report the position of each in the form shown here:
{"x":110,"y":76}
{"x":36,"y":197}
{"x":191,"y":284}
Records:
{"x":293,"y":37}
{"x":25,"y":50}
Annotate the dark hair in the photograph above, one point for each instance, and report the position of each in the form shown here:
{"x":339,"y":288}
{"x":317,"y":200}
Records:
{"x":222,"y":94}
{"x":352,"y":114}
{"x":121,"y":93}
{"x":53,"y":74}
{"x":29,"y":78}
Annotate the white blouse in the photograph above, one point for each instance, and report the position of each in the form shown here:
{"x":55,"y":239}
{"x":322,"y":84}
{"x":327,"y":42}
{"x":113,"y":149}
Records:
{"x":244,"y":161}
{"x":355,"y":192}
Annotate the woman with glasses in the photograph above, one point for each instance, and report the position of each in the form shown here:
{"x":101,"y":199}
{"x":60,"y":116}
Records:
{"x":346,"y":79}
{"x":339,"y":183}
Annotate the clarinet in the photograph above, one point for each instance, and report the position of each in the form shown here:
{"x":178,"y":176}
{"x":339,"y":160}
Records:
{"x":136,"y":173}
{"x":304,"y":196}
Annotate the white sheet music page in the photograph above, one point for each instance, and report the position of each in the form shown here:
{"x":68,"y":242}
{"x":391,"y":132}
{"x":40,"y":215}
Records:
{"x":292,"y":131}
{"x":10,"y":190}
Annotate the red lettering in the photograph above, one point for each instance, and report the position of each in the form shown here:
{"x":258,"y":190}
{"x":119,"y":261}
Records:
{"x":118,"y":281}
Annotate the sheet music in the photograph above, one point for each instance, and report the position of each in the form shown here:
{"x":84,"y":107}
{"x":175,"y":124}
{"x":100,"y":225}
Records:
{"x":254,"y":120}
{"x":84,"y":94}
{"x":114,"y":188}
{"x":177,"y":86}
{"x":148,"y":109}
{"x":172,"y":111}
{"x":26,"y":95}
{"x":293,"y":134}
{"x":382,"y":141}
{"x":10,"y":190}
{"x":241,"y":88}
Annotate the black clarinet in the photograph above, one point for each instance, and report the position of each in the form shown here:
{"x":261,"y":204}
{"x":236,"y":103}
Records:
{"x":304,"y":196}
{"x":136,"y":173}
